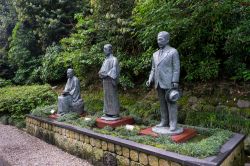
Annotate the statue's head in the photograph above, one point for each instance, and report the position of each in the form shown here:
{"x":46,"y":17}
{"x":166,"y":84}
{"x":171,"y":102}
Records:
{"x":107,"y":49}
{"x":70,"y":73}
{"x":163,"y":39}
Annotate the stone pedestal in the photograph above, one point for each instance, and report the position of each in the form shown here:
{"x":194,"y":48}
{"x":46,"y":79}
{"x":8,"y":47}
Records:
{"x":167,"y":131}
{"x":54,"y":116}
{"x":101,"y":123}
{"x":186,"y":135}
{"x":110,"y":118}
{"x":148,"y":131}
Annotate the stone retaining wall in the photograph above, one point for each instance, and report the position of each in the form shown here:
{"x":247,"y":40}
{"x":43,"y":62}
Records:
{"x":110,"y":151}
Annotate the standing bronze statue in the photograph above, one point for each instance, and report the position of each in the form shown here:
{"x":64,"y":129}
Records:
{"x":109,"y":73}
{"x":165,"y":74}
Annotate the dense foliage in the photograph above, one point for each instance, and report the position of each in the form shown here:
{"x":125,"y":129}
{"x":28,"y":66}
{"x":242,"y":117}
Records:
{"x":212,"y":38}
{"x":23,"y":55}
{"x":7,"y":22}
{"x":8,"y":19}
{"x":18,"y":101}
{"x":4,"y":83}
{"x":50,"y":20}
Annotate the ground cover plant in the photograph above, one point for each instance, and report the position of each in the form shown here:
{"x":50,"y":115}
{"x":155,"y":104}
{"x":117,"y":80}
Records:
{"x":206,"y":144}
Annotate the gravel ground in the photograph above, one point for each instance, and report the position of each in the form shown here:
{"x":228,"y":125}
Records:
{"x":21,"y":149}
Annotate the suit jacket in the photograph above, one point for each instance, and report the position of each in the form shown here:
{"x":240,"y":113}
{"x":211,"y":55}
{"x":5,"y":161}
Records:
{"x":165,"y":68}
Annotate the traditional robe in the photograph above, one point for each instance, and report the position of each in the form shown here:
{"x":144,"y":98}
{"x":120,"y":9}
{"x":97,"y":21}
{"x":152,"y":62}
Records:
{"x":110,"y":67}
{"x":73,"y":101}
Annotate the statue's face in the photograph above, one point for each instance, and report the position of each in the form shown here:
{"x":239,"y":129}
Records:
{"x":106,"y":50}
{"x":162,"y":40}
{"x":70,"y":73}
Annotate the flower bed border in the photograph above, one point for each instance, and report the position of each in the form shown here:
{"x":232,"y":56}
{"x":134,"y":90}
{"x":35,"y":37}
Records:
{"x":231,"y":150}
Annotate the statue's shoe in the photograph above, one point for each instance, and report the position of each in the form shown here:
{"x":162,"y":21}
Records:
{"x":172,"y":128}
{"x":162,"y":124}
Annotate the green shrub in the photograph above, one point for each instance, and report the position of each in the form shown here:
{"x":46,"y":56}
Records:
{"x":52,"y":68}
{"x":20,"y":100}
{"x":4,"y":83}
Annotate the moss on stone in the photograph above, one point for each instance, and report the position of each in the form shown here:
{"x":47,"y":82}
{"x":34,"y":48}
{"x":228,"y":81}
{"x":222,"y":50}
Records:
{"x":122,"y":161}
{"x":143,"y":158}
{"x":134,"y":155}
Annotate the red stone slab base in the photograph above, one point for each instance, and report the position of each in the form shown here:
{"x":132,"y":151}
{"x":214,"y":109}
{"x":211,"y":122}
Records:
{"x":123,"y":121}
{"x":187,"y":134}
{"x":54,"y":116}
{"x":148,"y":131}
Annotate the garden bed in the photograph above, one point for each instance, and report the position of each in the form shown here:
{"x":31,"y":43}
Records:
{"x":100,"y":148}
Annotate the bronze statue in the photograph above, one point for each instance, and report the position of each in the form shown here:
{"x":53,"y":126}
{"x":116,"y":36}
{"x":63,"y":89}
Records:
{"x":165,"y":74}
{"x":109,"y":73}
{"x":70,"y":100}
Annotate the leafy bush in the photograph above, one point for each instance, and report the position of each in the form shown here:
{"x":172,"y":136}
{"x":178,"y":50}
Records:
{"x":83,"y":49}
{"x":50,"y":20}
{"x":4,"y":82}
{"x":52,"y":69}
{"x":20,"y":100}
{"x":206,"y":33}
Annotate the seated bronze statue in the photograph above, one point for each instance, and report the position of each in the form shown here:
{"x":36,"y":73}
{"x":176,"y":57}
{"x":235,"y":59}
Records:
{"x":70,"y":100}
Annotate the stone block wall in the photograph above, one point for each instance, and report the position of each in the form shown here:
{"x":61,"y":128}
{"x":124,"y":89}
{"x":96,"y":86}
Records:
{"x":101,"y":150}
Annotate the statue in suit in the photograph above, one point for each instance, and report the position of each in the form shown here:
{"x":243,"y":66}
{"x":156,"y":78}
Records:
{"x":165,"y":74}
{"x":109,"y":73}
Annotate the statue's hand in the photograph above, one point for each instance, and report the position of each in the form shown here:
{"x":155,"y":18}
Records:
{"x":148,"y":83}
{"x":113,"y":82}
{"x":175,"y":85}
{"x":102,"y":75}
{"x":65,"y":93}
